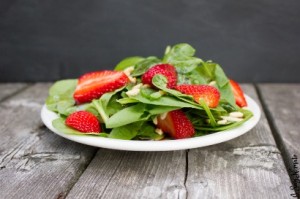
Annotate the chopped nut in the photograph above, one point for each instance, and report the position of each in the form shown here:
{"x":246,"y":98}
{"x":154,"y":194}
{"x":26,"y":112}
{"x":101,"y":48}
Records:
{"x":159,"y":131}
{"x":212,"y":83}
{"x":163,"y":116}
{"x":133,"y":92}
{"x":146,"y":85}
{"x":132,"y":79}
{"x":231,"y":119}
{"x":155,"y":120}
{"x":236,"y":114}
{"x":128,"y":70}
{"x":222,"y":122}
{"x":162,"y":92}
{"x":137,"y":86}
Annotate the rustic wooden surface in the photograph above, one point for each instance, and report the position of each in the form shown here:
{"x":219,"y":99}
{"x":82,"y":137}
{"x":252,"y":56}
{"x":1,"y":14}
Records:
{"x":282,"y":105}
{"x":35,"y":163}
{"x":6,"y":90}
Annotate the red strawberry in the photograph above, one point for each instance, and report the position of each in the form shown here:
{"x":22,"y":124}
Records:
{"x":238,"y":93}
{"x":93,"y":85}
{"x":167,"y":70}
{"x":83,"y":121}
{"x":210,"y":94}
{"x":176,"y":124}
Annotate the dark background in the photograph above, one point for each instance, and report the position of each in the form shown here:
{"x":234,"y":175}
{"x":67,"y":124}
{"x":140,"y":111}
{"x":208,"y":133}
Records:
{"x":254,"y":41}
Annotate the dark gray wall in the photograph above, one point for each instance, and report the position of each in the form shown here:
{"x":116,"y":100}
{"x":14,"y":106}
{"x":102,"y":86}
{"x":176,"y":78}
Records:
{"x":254,"y":41}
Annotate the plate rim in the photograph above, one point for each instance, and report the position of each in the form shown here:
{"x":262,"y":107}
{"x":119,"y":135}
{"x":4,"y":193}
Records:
{"x":163,"y":145}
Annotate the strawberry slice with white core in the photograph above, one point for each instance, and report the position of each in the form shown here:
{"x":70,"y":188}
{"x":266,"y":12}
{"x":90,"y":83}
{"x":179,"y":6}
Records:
{"x":93,"y":85}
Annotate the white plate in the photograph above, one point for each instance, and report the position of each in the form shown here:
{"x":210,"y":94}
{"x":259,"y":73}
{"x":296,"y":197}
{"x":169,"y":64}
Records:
{"x":164,"y":145}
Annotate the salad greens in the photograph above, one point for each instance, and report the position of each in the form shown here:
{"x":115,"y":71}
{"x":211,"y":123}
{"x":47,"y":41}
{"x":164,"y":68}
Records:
{"x":124,"y":116}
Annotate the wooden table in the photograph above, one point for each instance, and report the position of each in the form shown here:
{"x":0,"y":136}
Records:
{"x":36,"y":163}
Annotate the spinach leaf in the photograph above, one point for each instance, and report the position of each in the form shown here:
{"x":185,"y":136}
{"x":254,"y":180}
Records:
{"x":127,"y":62}
{"x":142,"y":66}
{"x":165,"y":101}
{"x":107,"y":104}
{"x":156,"y":110}
{"x":109,"y":101}
{"x":60,"y":97}
{"x":63,"y":88}
{"x":147,"y":132}
{"x":125,"y":132}
{"x":181,"y":56}
{"x":127,"y":115}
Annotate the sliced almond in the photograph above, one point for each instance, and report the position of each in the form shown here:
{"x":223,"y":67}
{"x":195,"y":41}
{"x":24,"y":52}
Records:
{"x":231,"y":119}
{"x":163,"y":116}
{"x":222,"y":122}
{"x":236,"y":114}
{"x":159,"y":131}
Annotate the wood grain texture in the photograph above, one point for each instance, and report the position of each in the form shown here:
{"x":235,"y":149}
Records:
{"x":7,"y":89}
{"x":34,"y":162}
{"x":249,"y":166}
{"x":120,"y":174}
{"x":282,"y":104}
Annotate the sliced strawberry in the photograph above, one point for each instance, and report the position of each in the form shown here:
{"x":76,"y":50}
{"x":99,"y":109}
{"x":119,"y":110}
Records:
{"x":176,"y":124}
{"x":167,"y":70}
{"x":83,"y":121}
{"x":93,"y":85}
{"x":240,"y":99}
{"x":209,"y":94}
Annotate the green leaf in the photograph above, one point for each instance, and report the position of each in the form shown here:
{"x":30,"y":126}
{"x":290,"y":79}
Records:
{"x":208,"y":112}
{"x":66,"y":107}
{"x":60,"y":97}
{"x":181,"y":56}
{"x":147,"y":131}
{"x":109,"y":102}
{"x":63,"y":87}
{"x":127,"y":62}
{"x":141,"y":67}
{"x":99,"y":107}
{"x":165,"y":101}
{"x":156,"y":110}
{"x":126,"y":116}
{"x":126,"y":132}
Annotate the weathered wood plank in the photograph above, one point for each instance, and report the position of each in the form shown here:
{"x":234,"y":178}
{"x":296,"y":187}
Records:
{"x":7,"y":89}
{"x":249,"y":166}
{"x":121,"y":174}
{"x":34,"y":162}
{"x":282,"y":104}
